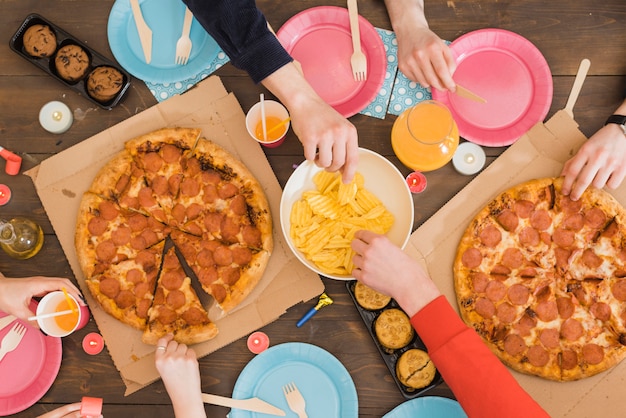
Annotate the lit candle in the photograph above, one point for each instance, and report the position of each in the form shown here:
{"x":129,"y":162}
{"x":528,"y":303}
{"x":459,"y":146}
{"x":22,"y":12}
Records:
{"x":469,"y":158}
{"x":90,"y":407}
{"x":416,"y":181}
{"x":93,"y":343}
{"x":5,"y":194}
{"x":55,"y":117}
{"x":258,"y":342}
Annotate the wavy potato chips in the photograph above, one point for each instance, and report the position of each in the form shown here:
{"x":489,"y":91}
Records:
{"x":324,"y":220}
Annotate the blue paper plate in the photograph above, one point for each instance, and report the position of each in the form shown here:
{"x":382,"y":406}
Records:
{"x":323,"y":381}
{"x":165,"y":19}
{"x":428,"y":407}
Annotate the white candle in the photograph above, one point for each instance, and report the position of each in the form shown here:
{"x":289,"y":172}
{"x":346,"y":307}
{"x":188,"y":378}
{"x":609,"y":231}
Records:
{"x":55,"y":117}
{"x":469,"y":158}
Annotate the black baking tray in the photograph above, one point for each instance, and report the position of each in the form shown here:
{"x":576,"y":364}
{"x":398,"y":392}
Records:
{"x":390,"y":357}
{"x":47,"y":63}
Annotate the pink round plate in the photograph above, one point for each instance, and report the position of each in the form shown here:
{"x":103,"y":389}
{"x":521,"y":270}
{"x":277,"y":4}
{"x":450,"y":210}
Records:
{"x":510,"y":73}
{"x":319,"y":38}
{"x":33,"y":366}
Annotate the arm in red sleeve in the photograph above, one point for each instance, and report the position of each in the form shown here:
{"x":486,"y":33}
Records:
{"x":481,"y":383}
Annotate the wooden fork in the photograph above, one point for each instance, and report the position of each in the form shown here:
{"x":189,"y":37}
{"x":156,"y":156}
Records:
{"x":183,"y":46}
{"x":358,"y":61}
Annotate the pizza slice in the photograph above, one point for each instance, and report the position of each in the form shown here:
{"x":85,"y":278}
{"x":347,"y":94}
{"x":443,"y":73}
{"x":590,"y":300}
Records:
{"x":107,"y":234}
{"x":228,"y":272}
{"x":176,"y":309}
{"x":125,"y":290}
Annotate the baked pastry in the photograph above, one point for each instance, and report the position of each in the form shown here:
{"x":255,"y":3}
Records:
{"x":71,"y":62}
{"x":393,"y":329}
{"x":104,"y":83}
{"x":415,"y":369}
{"x":369,"y":298}
{"x":39,"y":41}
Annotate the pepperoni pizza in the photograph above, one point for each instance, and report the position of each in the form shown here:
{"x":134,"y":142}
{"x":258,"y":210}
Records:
{"x":542,"y":279}
{"x":172,"y":184}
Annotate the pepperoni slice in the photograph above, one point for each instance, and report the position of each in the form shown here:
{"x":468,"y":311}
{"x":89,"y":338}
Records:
{"x":172,"y":280}
{"x":223,"y":256}
{"x":252,"y":236}
{"x":242,"y":256}
{"x":601,"y":310}
{"x":547,"y":311}
{"x":518,"y":294}
{"x":227,"y":190}
{"x":506,"y":313}
{"x":106,"y":251}
{"x":538,"y":356}
{"x":593,"y":353}
{"x":565,"y":306}
{"x":175,"y":299}
{"x":209,"y":193}
{"x":229,"y":230}
{"x":171,"y":153}
{"x":549,"y":337}
{"x":178,"y":213}
{"x":142,"y":308}
{"x":204,"y":258}
{"x":563,"y":238}
{"x":194,"y":316}
{"x":619,"y":290}
{"x":540,"y":220}
{"x":591,"y":259}
{"x":166,"y":315}
{"x":108,"y":210}
{"x":569,"y":359}
{"x":479,"y":281}
{"x":218,"y":292}
{"x":570,"y":206}
{"x":229,"y":275}
{"x":573,"y":222}
{"x":471,"y":258}
{"x":495,"y":290}
{"x":514,"y":345}
{"x":109,"y":287}
{"x":97,"y":226}
{"x":595,"y":218}
{"x":238,"y":205}
{"x":134,"y":276}
{"x":207,"y":275}
{"x":523,"y":208}
{"x":190,"y":187}
{"x":508,"y":219}
{"x":485,"y":308}
{"x":121,"y":236}
{"x":137,"y":222}
{"x":173,"y":183}
{"x":152,"y":162}
{"x":529,"y":237}
{"x":160,"y":186}
{"x":211,"y":177}
{"x":571,"y":329}
{"x":125,"y":299}
{"x":512,"y":258}
{"x":192,"y":166}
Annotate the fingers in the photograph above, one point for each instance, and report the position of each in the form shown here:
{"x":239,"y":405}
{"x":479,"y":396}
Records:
{"x":166,"y":343}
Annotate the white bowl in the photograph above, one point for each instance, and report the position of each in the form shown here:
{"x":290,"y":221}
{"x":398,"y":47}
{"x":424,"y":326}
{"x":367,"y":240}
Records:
{"x":381,"y":178}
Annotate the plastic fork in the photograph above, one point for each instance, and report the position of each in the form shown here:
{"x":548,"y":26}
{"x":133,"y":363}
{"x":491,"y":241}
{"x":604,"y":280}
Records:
{"x":358,"y":61}
{"x":12,"y":339}
{"x":295,"y":400}
{"x":183,"y":46}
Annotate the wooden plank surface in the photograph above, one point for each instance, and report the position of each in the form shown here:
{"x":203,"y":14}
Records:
{"x":565,"y":31}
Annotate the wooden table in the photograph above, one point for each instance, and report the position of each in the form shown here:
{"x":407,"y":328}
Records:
{"x":565,"y":31}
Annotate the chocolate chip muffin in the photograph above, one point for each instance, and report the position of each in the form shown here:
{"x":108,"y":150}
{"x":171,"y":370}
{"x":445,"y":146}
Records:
{"x":71,"y":62}
{"x":393,"y":329}
{"x":103,"y":83}
{"x":39,"y":41}
{"x":415,"y":369}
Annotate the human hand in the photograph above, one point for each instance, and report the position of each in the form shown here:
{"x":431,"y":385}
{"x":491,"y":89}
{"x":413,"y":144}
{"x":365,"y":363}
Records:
{"x":600,"y":161}
{"x":328,"y":138}
{"x":66,"y":411}
{"x":384,"y":267}
{"x":178,"y":366}
{"x":425,"y":58}
{"x":16,"y":293}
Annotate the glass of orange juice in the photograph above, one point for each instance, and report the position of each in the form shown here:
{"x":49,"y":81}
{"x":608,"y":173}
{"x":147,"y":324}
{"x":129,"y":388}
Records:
{"x":59,"y":314}
{"x":276,"y":123}
{"x":425,"y":136}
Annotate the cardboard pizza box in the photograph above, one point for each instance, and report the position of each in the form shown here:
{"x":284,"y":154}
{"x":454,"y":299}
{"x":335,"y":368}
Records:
{"x":540,"y":152}
{"x":62,"y":179}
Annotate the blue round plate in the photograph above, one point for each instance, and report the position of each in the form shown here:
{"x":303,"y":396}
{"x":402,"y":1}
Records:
{"x":165,"y":19}
{"x":428,"y":407}
{"x":324,"y":382}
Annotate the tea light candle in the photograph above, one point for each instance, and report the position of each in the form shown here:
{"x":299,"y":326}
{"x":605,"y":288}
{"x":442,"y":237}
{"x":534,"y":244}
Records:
{"x":5,"y":194}
{"x":55,"y":117}
{"x":90,"y":407}
{"x":258,"y":342}
{"x":93,"y":343}
{"x":416,"y":181}
{"x":469,"y":158}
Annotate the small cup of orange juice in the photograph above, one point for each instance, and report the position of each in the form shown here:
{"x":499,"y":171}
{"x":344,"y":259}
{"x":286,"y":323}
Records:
{"x":276,"y":123}
{"x":62,"y":324}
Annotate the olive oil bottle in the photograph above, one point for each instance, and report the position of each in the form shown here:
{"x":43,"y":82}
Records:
{"x":20,"y":238}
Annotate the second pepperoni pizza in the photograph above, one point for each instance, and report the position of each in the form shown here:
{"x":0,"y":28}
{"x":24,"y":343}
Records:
{"x":542,"y":279}
{"x":172,"y":183}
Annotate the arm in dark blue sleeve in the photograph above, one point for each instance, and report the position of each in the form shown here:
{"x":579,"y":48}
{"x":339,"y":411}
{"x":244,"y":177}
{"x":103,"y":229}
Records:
{"x":240,"y":29}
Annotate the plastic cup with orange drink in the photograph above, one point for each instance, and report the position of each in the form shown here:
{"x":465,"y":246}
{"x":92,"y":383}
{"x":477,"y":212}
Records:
{"x":59,"y":314}
{"x":276,"y":123}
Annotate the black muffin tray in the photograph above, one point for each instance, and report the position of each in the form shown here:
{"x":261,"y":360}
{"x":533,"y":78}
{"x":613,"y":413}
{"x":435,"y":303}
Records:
{"x":47,"y":63}
{"x":390,"y":357}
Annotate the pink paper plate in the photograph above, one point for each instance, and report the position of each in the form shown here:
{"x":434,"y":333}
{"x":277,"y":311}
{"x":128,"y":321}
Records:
{"x":32,"y":368}
{"x":510,"y":73}
{"x":319,"y":38}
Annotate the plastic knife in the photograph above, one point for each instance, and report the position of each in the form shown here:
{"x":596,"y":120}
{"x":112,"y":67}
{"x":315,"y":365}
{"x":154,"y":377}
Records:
{"x":4,"y":321}
{"x":252,"y":404}
{"x":145,"y":34}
